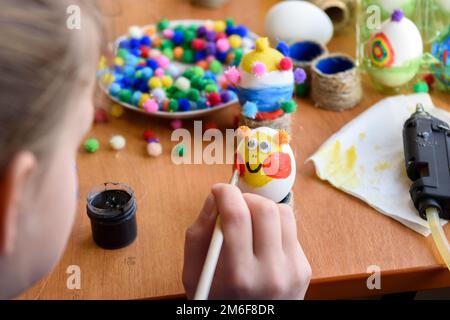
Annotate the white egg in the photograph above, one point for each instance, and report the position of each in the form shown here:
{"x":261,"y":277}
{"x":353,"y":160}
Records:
{"x":293,"y":21}
{"x":390,"y":5}
{"x":405,"y":40}
{"x":257,"y":182}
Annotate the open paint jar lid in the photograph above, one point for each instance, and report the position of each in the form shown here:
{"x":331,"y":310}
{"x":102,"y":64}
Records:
{"x":111,"y":207}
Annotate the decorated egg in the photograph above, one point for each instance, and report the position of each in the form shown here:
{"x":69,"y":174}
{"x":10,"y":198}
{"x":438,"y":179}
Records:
{"x":293,"y":21}
{"x":265,"y":162}
{"x":441,"y":50}
{"x":388,"y":6}
{"x":395,"y":51}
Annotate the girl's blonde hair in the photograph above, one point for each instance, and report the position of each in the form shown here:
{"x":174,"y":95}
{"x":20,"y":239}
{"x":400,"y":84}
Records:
{"x":40,"y":60}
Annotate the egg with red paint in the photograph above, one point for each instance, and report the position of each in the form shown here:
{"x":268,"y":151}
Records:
{"x":265,"y":162}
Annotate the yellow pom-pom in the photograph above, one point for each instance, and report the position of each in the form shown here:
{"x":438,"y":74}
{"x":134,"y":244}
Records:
{"x":155,"y":82}
{"x":102,"y":63}
{"x":144,"y":97}
{"x":167,"y":81}
{"x":235,"y":41}
{"x":107,"y":78}
{"x":219,"y":26}
{"x":119,"y":61}
{"x":117,"y":110}
{"x":261,"y":44}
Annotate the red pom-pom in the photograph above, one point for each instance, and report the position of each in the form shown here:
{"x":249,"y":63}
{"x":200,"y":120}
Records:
{"x":198,"y":44}
{"x":214,"y":99}
{"x":148,"y":134}
{"x":144,"y":51}
{"x":285,"y":64}
{"x":221,"y":35}
{"x":429,"y":79}
{"x":100,"y":115}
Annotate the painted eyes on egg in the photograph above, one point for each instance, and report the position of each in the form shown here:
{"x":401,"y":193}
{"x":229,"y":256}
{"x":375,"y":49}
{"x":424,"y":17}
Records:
{"x":252,"y":144}
{"x":264,"y":146}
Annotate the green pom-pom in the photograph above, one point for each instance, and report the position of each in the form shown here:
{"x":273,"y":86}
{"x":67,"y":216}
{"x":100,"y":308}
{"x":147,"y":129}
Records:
{"x":198,"y":82}
{"x":171,"y":91}
{"x":122,"y":52}
{"x":211,"y":88}
{"x":188,"y":56}
{"x":421,"y":86}
{"x":173,"y":105}
{"x":188,"y":74}
{"x":237,"y":56}
{"x":301,"y":89}
{"x":189,"y":35}
{"x":198,"y":71}
{"x":168,"y":53}
{"x":215,"y":67}
{"x":193,"y":95}
{"x":289,"y":106}
{"x":179,"y":95}
{"x":91,"y":145}
{"x":179,"y":150}
{"x":229,"y":21}
{"x":163,"y":24}
{"x":125,"y":95}
{"x":166,"y":43}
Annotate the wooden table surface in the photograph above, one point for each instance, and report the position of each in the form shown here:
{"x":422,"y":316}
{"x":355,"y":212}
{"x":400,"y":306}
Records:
{"x":341,"y":235}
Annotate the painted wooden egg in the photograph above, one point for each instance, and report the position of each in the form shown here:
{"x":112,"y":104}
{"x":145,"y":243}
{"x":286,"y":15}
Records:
{"x":397,"y":47}
{"x":265,"y":162}
{"x":293,"y":21}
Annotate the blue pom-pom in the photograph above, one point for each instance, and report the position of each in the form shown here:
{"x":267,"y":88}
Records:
{"x":241,"y":30}
{"x":201,"y":31}
{"x":147,"y":73}
{"x":229,"y":30}
{"x":225,"y":96}
{"x":209,"y":75}
{"x":199,"y":55}
{"x":126,"y":83}
{"x":131,"y":60}
{"x":283,"y":48}
{"x":136,"y":52}
{"x":222,"y":56}
{"x":184,"y":104}
{"x":135,"y":99}
{"x":124,"y":44}
{"x":146,"y":41}
{"x":135,"y":43}
{"x":128,"y":71}
{"x":117,"y":69}
{"x":152,"y":64}
{"x":178,"y":38}
{"x":201,"y":103}
{"x":250,"y":110}
{"x":114,"y":89}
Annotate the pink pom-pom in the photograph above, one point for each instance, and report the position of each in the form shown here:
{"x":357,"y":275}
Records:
{"x":176,"y":124}
{"x":168,"y":33}
{"x":258,"y":68}
{"x":210,"y":58}
{"x":154,"y":53}
{"x":232,"y":75}
{"x":285,"y":64}
{"x":223,"y":45}
{"x":163,"y":61}
{"x":150,"y":105}
{"x":159,"y":73}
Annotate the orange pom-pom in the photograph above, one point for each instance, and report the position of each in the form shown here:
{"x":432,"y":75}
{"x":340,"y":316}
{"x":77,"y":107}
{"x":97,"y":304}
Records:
{"x":178,"y":52}
{"x":150,"y":31}
{"x":282,"y":137}
{"x":203,"y":64}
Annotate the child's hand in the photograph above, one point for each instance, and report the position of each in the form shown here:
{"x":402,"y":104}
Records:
{"x":261,"y":257}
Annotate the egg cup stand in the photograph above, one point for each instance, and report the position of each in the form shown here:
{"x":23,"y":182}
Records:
{"x":283,"y":122}
{"x":335,"y":83}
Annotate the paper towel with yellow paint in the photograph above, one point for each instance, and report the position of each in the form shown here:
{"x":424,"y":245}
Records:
{"x":365,"y":158}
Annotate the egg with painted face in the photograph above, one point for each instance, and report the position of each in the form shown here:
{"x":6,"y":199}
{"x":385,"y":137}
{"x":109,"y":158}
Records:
{"x":394,"y":51}
{"x":265,"y":162}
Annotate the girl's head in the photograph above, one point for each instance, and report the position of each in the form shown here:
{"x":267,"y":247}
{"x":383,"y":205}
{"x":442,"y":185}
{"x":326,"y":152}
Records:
{"x":46,"y":87}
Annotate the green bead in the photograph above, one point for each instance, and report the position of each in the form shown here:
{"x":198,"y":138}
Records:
{"x":215,"y":67}
{"x":180,"y":150}
{"x":421,"y":86}
{"x":125,"y":95}
{"x":91,"y":145}
{"x":168,"y":52}
{"x":193,"y":95}
{"x":163,"y":24}
{"x":188,"y":56}
{"x":198,"y":71}
{"x":122,"y":52}
{"x":211,"y":88}
{"x":289,"y":106}
{"x":173,"y":105}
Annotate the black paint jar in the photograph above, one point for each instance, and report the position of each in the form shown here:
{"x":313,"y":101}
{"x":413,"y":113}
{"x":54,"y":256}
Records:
{"x":111,"y":207}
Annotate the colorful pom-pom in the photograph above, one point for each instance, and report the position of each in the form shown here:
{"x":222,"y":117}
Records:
{"x":183,"y":84}
{"x":421,"y":86}
{"x":176,"y":124}
{"x":215,"y":66}
{"x":173,"y":70}
{"x":258,"y":69}
{"x":114,"y":89}
{"x":154,"y":149}
{"x":198,"y":44}
{"x":100,"y":115}
{"x":250,"y":110}
{"x":178,"y":52}
{"x":235,"y":41}
{"x":163,"y":61}
{"x":173,"y":105}
{"x":135,"y":32}
{"x":223,"y":45}
{"x":283,"y":48}
{"x":117,"y":142}
{"x":159,"y":73}
{"x":285,"y":64}
{"x":213,"y":99}
{"x":168,"y":33}
{"x":289,"y":106}
{"x":150,"y":106}
{"x":241,"y":30}
{"x":397,"y":15}
{"x":232,"y":75}
{"x":91,"y":145}
{"x":148,"y":134}
{"x":193,"y":95}
{"x":225,"y":96}
{"x":159,"y":94}
{"x":219,"y":26}
{"x":299,"y":75}
{"x":117,"y":110}
{"x":163,"y":24}
{"x":125,"y":95}
{"x":155,"y":82}
{"x":184,"y":105}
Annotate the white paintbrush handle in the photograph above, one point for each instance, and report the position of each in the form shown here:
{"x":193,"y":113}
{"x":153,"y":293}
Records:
{"x":212,"y":257}
{"x":209,"y":268}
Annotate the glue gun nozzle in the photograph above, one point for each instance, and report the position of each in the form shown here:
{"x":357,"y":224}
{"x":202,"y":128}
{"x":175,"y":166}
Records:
{"x":419,"y":108}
